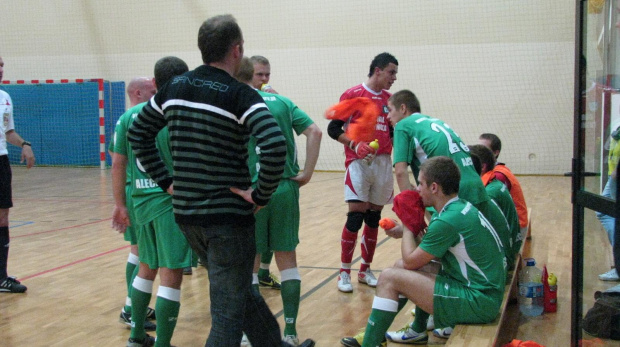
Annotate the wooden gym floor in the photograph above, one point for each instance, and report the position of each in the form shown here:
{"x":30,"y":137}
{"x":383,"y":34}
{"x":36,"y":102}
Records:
{"x":63,"y":249}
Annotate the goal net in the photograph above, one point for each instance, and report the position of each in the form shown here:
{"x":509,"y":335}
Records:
{"x":68,"y":122}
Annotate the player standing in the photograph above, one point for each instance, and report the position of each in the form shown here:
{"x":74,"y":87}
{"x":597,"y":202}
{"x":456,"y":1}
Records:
{"x":369,"y":183}
{"x":139,"y":90}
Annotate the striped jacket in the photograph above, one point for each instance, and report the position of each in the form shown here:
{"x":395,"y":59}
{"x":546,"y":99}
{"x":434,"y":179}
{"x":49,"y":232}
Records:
{"x":210,"y":117}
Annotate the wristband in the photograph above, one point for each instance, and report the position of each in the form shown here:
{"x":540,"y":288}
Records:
{"x":26,"y":143}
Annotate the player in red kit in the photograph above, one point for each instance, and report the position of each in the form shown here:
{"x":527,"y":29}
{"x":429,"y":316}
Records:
{"x":369,"y":183}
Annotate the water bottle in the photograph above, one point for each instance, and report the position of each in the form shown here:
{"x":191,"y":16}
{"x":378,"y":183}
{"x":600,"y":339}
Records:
{"x":531,"y":295}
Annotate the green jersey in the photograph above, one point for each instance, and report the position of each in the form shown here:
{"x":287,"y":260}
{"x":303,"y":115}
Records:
{"x":119,"y":145}
{"x":500,"y":194}
{"x":149,"y":200}
{"x":290,"y":118}
{"x":419,"y":137}
{"x":470,"y":249}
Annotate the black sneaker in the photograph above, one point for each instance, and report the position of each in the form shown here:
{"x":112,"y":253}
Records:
{"x":295,"y":343}
{"x":270,"y":281}
{"x":12,"y":285}
{"x":125,"y":318}
{"x":148,"y":341}
{"x":187,"y":270}
{"x":150,"y":314}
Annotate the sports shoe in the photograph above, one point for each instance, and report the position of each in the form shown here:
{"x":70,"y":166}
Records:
{"x":443,"y":333}
{"x":270,"y":281}
{"x":12,"y":285}
{"x":125,"y":318}
{"x":357,"y":340}
{"x":407,"y":335}
{"x":147,"y":342}
{"x":187,"y":270}
{"x":307,"y":343}
{"x":292,"y":340}
{"x":344,"y":282}
{"x":430,"y":323}
{"x":150,"y":314}
{"x":245,"y":342}
{"x":367,"y":277}
{"x":610,"y":275}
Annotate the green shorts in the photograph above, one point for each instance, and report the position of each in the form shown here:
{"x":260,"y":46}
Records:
{"x":162,"y":244}
{"x":130,"y":235}
{"x":277,"y":224}
{"x":454,"y":303}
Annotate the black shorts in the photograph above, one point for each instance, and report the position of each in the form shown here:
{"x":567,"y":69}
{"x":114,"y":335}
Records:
{"x":6,"y":200}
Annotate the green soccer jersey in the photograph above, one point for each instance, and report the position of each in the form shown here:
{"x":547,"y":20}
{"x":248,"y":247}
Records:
{"x":500,"y":194}
{"x":468,"y":246}
{"x":419,"y":137}
{"x":120,"y":146}
{"x":290,"y":118}
{"x":149,"y":200}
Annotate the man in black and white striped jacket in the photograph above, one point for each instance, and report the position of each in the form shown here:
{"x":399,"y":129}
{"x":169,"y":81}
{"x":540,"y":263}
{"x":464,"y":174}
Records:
{"x":210,"y":117}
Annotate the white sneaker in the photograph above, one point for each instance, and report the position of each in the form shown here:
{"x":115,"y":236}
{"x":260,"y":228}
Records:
{"x":292,"y":340}
{"x":367,"y":277}
{"x":430,"y":324}
{"x":610,"y":275}
{"x":407,"y":335}
{"x":245,"y":342}
{"x":344,"y":282}
{"x":443,"y":333}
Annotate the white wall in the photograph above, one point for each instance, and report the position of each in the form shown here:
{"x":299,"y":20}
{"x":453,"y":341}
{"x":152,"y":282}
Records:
{"x":482,"y":66}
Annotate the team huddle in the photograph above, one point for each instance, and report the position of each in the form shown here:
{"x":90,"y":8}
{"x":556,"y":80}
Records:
{"x":474,"y":228}
{"x":202,"y":173}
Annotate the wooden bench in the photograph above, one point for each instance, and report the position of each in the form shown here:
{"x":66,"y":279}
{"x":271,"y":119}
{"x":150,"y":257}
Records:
{"x":489,"y":334}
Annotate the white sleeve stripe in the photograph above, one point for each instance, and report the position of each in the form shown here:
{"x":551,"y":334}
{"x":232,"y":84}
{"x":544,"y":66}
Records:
{"x":211,"y":108}
{"x":250,"y":110}
{"x":155,"y":106}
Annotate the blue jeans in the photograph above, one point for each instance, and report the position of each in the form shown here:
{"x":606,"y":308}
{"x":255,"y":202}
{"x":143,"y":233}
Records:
{"x":229,"y":251}
{"x":608,"y":223}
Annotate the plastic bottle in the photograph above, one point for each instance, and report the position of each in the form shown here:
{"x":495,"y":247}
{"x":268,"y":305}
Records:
{"x":551,"y":294}
{"x":374,"y":145}
{"x":531,"y":300}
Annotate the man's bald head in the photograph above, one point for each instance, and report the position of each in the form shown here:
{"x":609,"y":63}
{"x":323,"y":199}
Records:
{"x":140,"y":89}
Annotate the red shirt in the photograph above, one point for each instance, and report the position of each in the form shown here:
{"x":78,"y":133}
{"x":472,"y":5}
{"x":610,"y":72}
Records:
{"x":382,"y":132}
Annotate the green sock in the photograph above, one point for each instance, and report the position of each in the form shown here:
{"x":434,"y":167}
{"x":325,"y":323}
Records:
{"x":420,"y":320}
{"x":402,"y":301}
{"x":265,"y":257}
{"x":131,"y":271}
{"x":167,"y":310}
{"x":140,"y":298}
{"x":290,"y":292}
{"x":379,"y":322}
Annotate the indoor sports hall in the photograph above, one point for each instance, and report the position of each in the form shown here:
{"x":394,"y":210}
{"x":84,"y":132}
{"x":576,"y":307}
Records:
{"x":542,"y":75}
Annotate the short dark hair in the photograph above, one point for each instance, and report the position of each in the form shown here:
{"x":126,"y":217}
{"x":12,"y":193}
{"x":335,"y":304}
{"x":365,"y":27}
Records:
{"x":484,"y":154}
{"x":168,"y":67}
{"x":443,"y":171}
{"x":407,"y":98}
{"x":216,"y":36}
{"x":381,"y":61}
{"x":246,"y":70}
{"x":477,"y":163}
{"x":259,"y":59}
{"x":496,"y":143}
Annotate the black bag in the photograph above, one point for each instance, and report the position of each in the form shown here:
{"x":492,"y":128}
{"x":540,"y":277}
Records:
{"x":603,"y":319}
